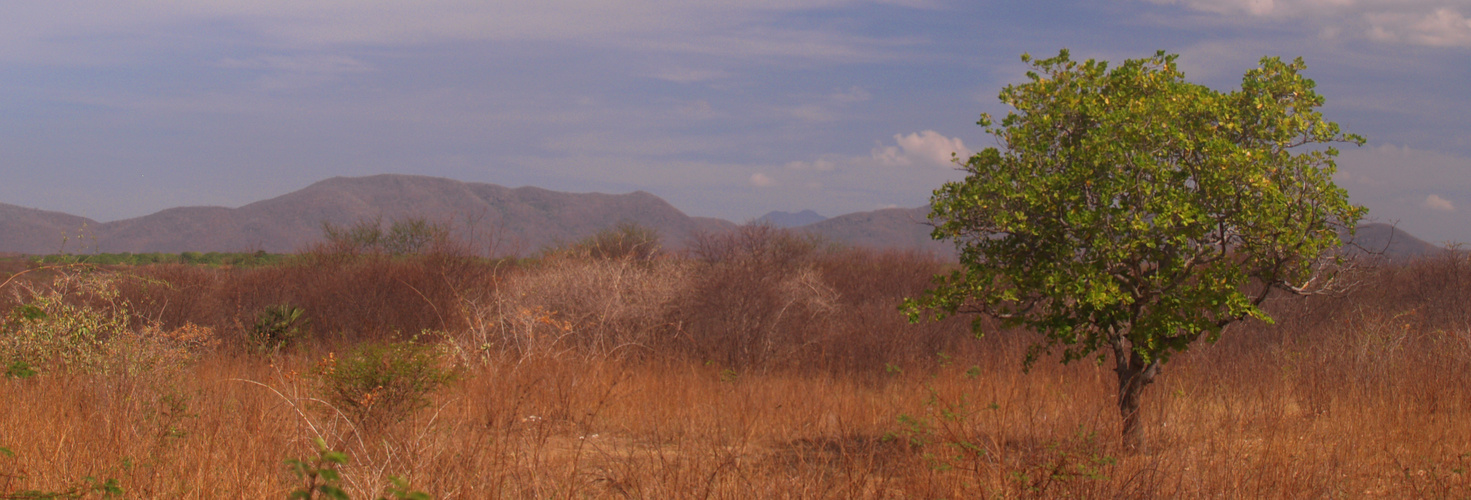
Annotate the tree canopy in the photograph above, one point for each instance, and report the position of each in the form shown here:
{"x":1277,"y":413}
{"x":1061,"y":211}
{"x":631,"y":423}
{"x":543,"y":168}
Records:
{"x":1129,"y":212}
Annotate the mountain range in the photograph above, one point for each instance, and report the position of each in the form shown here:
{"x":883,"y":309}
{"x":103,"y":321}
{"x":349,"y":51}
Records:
{"x":789,"y":219}
{"x":498,"y":219}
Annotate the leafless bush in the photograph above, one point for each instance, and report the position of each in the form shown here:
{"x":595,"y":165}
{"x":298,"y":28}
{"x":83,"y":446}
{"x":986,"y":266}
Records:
{"x":593,"y":307}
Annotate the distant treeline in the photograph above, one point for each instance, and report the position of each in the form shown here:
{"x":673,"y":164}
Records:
{"x":242,"y":259}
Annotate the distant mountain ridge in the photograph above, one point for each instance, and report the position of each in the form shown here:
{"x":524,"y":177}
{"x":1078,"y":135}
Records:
{"x":517,"y":221}
{"x":789,"y":219}
{"x":33,"y":231}
{"x":903,"y":228}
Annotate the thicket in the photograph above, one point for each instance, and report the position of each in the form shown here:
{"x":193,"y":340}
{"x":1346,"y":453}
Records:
{"x":759,"y":362}
{"x":240,"y":259}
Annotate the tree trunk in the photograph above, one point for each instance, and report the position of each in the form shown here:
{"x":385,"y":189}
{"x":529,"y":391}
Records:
{"x":1134,"y":374}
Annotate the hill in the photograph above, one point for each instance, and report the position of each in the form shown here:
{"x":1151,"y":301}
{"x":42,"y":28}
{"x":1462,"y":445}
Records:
{"x":1392,"y":242}
{"x":893,"y":228}
{"x":907,"y":228}
{"x":32,"y":231}
{"x":515,"y":220}
{"x":789,"y":219}
{"x":494,"y":218}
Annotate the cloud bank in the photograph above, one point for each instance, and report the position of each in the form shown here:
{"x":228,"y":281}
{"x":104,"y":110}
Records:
{"x":927,"y":148}
{"x":1436,"y":23}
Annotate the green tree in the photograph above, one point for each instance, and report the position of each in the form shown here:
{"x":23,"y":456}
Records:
{"x":1130,"y":213}
{"x":410,"y":236}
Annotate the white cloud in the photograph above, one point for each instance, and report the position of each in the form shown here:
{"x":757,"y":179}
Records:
{"x":819,"y":165}
{"x":737,"y":28}
{"x":852,"y":94}
{"x":1395,"y":183}
{"x":813,"y":113}
{"x":1441,"y":23}
{"x":297,"y":71}
{"x":686,"y":75}
{"x":1445,"y":28}
{"x":759,"y":179}
{"x":313,"y":63}
{"x":700,"y":110}
{"x":1437,"y":203}
{"x":924,"y":148}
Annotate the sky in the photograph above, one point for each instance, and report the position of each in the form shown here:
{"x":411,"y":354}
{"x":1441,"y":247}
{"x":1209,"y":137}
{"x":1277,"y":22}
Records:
{"x":726,"y":108}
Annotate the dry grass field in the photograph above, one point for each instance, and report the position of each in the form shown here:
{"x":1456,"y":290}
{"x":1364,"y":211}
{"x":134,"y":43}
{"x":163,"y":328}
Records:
{"x":755,"y":366}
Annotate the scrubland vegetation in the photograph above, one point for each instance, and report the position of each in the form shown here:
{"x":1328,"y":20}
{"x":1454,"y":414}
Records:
{"x":756,"y":364}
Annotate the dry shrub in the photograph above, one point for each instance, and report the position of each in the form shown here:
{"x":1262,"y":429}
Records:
{"x":152,"y":349}
{"x":1364,"y":395}
{"x":80,"y":323}
{"x":756,"y":300}
{"x":588,"y":306}
{"x":346,"y":297}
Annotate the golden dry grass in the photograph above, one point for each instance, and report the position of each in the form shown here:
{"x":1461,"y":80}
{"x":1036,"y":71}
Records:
{"x":1345,"y":397}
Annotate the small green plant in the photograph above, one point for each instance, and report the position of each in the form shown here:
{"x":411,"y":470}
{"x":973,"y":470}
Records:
{"x":19,"y":369}
{"x":278,"y":326}
{"x":87,"y":486}
{"x":402,"y":491}
{"x":1079,"y":458}
{"x":321,"y":478}
{"x":376,"y":384}
{"x":948,"y":424}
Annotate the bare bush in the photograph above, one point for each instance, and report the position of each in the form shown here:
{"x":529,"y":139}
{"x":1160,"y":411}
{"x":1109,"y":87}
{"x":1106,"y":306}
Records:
{"x":593,"y":307}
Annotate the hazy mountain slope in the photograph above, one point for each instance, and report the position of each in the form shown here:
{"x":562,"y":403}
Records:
{"x":28,"y":230}
{"x":1393,"y":242}
{"x":507,"y":220}
{"x":519,"y":220}
{"x":906,"y":228}
{"x":887,"y":228}
{"x":789,"y":219}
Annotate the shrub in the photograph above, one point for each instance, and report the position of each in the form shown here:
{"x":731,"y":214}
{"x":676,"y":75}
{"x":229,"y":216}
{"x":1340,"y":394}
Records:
{"x":155,"y":349}
{"x":758,"y":300}
{"x":376,"y":384}
{"x":595,"y":307}
{"x":65,"y":325}
{"x":321,"y":478}
{"x":278,"y":326}
{"x":626,"y":241}
{"x":411,"y":236}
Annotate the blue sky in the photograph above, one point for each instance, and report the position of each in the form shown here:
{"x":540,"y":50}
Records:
{"x":116,"y":109}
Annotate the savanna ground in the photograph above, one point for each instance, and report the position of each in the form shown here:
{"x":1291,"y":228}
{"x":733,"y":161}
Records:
{"x":757,"y":365}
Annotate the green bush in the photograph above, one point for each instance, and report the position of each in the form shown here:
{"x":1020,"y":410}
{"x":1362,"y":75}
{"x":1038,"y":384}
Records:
{"x":411,"y":236}
{"x":626,"y":241}
{"x":321,"y":478}
{"x":278,"y":326}
{"x":377,"y":384}
{"x":63,"y":326}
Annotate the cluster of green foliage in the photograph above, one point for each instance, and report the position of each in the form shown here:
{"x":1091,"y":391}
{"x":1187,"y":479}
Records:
{"x":234,"y":259}
{"x":277,"y":327}
{"x":83,"y":488}
{"x":321,"y":479}
{"x":80,"y":323}
{"x":624,"y":241}
{"x":375,"y":384}
{"x":1129,"y":212}
{"x":51,"y":332}
{"x":412,"y":236}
